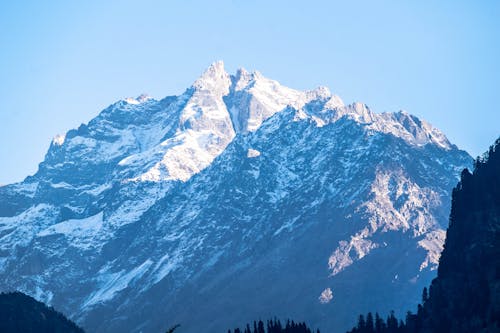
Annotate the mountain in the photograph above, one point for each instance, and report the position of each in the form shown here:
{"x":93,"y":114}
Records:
{"x":239,"y":199}
{"x":21,"y":313}
{"x":465,"y":295}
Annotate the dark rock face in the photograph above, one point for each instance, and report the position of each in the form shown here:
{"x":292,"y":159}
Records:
{"x":21,"y":313}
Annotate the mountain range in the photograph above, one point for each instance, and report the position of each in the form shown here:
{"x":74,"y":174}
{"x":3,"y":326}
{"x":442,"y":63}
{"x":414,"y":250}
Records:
{"x":238,"y":199}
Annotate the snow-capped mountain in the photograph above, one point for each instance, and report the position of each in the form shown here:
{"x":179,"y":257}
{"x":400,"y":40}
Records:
{"x":238,"y":199}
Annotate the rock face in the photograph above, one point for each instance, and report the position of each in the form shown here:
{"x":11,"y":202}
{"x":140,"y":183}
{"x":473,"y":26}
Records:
{"x":236,"y":200}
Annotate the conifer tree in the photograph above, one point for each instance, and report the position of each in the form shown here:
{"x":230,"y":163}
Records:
{"x":369,"y":323}
{"x":260,"y":327}
{"x":425,"y":296}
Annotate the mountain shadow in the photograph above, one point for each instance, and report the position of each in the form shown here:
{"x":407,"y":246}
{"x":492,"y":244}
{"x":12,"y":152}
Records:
{"x":22,"y":313}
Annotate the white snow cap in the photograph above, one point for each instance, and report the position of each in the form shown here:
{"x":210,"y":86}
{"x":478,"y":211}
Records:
{"x":138,"y":100}
{"x":207,"y":117}
{"x":59,"y":139}
{"x":253,"y":153}
{"x":214,"y":79}
{"x":320,"y":92}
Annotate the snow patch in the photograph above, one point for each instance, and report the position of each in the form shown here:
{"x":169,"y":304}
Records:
{"x":326,"y":296}
{"x":131,"y":100}
{"x":19,"y":230}
{"x":59,"y":139}
{"x":95,"y":191}
{"x":165,"y":265}
{"x":81,"y":233}
{"x":349,"y":251}
{"x":433,"y":243}
{"x":252,"y":153}
{"x":62,"y":185}
{"x":112,"y":283}
{"x":43,"y":296}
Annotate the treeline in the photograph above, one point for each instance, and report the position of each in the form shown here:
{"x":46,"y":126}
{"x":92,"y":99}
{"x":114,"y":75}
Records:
{"x":274,"y":326}
{"x":376,"y":324}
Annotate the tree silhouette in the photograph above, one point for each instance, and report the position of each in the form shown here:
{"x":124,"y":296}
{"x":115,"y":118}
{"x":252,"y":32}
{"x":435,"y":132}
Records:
{"x":172,"y":329}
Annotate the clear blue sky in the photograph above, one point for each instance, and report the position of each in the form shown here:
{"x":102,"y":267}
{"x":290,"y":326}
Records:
{"x":61,"y":62}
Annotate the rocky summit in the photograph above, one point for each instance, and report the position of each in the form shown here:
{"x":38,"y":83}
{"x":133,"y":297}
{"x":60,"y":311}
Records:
{"x":239,"y":199}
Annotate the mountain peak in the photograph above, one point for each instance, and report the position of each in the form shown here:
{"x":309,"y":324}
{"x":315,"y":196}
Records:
{"x":242,"y":72}
{"x":217,"y":65}
{"x":242,"y":79}
{"x":320,"y":92}
{"x":143,"y":98}
{"x":58,"y":140}
{"x":138,"y":100}
{"x":214,"y":79}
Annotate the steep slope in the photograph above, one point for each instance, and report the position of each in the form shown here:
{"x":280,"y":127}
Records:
{"x":21,"y":313}
{"x":465,"y":296}
{"x":238,"y":199}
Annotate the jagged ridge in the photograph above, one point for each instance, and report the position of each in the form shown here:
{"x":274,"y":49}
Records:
{"x":188,"y":200}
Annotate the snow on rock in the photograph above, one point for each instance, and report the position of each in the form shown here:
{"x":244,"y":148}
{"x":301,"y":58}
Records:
{"x":19,"y":230}
{"x":391,"y":207}
{"x":256,"y":98}
{"x":136,"y":199}
{"x":204,"y":130}
{"x":113,"y":283}
{"x":357,"y":111}
{"x":408,"y":127}
{"x":81,"y":233}
{"x":98,"y":189}
{"x":326,"y":296}
{"x":165,"y":265}
{"x":44,"y":296}
{"x":334,"y":102}
{"x":26,"y":188}
{"x":155,"y":194}
{"x":252,"y":153}
{"x":394,"y":197}
{"x":199,"y":124}
{"x":131,"y":100}
{"x":349,"y":251}
{"x":214,"y":80}
{"x":59,"y":139}
{"x":433,"y":243}
{"x":138,"y":100}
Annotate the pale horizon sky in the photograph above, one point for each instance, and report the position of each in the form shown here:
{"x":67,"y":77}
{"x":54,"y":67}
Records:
{"x":62,"y":62}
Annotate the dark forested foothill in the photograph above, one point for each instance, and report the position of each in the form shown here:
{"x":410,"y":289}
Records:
{"x":22,"y":313}
{"x":465,"y":296}
{"x":274,"y":326}
{"x":376,"y":324}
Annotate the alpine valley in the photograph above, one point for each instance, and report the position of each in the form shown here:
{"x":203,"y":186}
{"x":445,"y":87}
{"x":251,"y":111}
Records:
{"x":239,"y":199}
